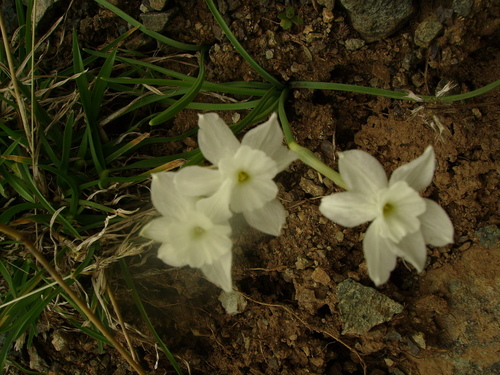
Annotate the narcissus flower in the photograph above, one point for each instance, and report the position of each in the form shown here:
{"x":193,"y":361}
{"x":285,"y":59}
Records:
{"x":247,"y":167}
{"x":193,"y":232}
{"x":402,"y":221}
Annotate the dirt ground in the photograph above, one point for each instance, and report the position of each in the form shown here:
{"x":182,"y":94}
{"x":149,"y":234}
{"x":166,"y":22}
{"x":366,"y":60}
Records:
{"x":291,"y":323}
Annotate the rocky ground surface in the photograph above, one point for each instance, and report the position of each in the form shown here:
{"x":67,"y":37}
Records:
{"x":307,"y":305}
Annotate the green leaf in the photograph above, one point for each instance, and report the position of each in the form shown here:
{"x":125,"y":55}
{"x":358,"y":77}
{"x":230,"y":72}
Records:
{"x":160,"y":38}
{"x":180,"y":104}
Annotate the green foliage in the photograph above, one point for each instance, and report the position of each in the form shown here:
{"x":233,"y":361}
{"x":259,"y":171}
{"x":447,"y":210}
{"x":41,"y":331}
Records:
{"x":289,"y":18}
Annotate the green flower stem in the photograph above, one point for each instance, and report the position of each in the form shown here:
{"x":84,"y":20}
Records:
{"x":285,"y":125}
{"x":239,"y":47}
{"x":308,"y":157}
{"x":304,"y":154}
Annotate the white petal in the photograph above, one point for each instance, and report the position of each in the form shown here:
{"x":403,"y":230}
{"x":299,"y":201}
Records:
{"x":417,"y":173}
{"x":436,"y":226}
{"x":197,"y":181}
{"x":166,"y":198}
{"x":157,"y":229}
{"x":348,"y":209}
{"x":379,"y":259}
{"x":215,"y":138}
{"x":253,"y":194}
{"x":216,"y":207}
{"x":252,"y":172}
{"x":268,"y":137}
{"x":219,"y":272}
{"x":199,"y":240}
{"x":169,"y":255}
{"x":268,"y":219}
{"x":412,"y":249}
{"x":214,"y":245}
{"x":400,"y":207}
{"x":361,"y":172}
{"x":283,"y":157}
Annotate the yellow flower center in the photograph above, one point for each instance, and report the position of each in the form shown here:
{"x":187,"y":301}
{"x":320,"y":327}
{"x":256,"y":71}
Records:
{"x":243,"y":177}
{"x":388,"y":208}
{"x":198,"y":232}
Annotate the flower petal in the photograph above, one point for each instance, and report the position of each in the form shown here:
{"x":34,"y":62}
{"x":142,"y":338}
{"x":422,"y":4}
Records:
{"x":348,"y":208}
{"x":379,"y":259}
{"x":253,"y":195}
{"x":268,"y":219}
{"x":436,"y":226}
{"x":400,"y":207}
{"x":283,"y":158}
{"x":199,"y":240}
{"x":166,"y":198}
{"x":169,"y":255}
{"x":252,"y":172}
{"x":216,"y":207}
{"x":215,"y":138}
{"x":157,"y":229}
{"x":418,"y":173}
{"x":265,"y":137}
{"x":268,"y":137}
{"x":198,"y":181}
{"x":361,"y":172}
{"x":412,"y":249}
{"x":215,"y":244}
{"x":219,"y":272}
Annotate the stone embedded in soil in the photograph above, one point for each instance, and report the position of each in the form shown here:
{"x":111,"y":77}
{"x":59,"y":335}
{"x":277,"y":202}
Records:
{"x":427,"y":31}
{"x":311,"y":188}
{"x":462,"y":7}
{"x":319,"y":275}
{"x":488,"y":236}
{"x":155,"y":21}
{"x":354,"y":44}
{"x":362,"y":308}
{"x":377,"y":19}
{"x":234,"y":303}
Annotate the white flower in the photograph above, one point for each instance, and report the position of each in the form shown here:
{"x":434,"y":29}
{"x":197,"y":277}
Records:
{"x":193,"y":232}
{"x":403,"y":221}
{"x":248,"y":167}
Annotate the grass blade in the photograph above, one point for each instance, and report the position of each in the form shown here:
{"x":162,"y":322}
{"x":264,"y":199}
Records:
{"x":137,"y":299}
{"x":220,"y":20}
{"x":160,"y":38}
{"x":180,"y":104}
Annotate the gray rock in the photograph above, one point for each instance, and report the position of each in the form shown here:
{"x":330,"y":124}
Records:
{"x":155,"y":21}
{"x":157,"y":4}
{"x":488,"y":236}
{"x":354,"y":44}
{"x":311,"y":188}
{"x":377,"y":19}
{"x":233,"y":302}
{"x":462,"y":7}
{"x":427,"y":31}
{"x":152,"y":5}
{"x":362,"y":308}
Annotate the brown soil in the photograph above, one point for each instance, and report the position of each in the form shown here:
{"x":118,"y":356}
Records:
{"x":291,"y":323}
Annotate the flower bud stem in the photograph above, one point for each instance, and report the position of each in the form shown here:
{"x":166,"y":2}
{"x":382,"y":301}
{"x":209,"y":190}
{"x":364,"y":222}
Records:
{"x":312,"y":160}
